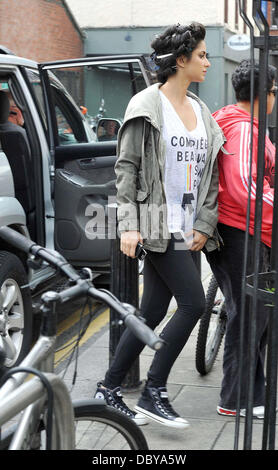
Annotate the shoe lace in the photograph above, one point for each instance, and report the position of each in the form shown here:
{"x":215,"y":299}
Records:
{"x":117,"y":401}
{"x":165,"y":403}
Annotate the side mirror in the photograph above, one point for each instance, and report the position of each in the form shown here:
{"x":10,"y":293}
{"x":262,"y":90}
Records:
{"x":107,"y":129}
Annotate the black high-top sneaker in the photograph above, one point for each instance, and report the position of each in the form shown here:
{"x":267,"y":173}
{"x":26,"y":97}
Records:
{"x":114,"y":398}
{"x":154,"y":404}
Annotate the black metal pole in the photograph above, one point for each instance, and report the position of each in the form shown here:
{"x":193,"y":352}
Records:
{"x":274,"y":244}
{"x":269,"y":428}
{"x":125,"y":286}
{"x":242,"y":371}
{"x":259,"y":289}
{"x":257,"y":240}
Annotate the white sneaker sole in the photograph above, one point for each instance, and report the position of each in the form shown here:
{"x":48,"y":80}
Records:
{"x":258,"y":412}
{"x":178,"y":423}
{"x":140,"y":419}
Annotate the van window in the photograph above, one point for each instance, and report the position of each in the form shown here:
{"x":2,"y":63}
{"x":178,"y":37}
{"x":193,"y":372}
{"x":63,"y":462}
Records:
{"x":101,"y":90}
{"x":34,"y":80}
{"x":71,"y":125}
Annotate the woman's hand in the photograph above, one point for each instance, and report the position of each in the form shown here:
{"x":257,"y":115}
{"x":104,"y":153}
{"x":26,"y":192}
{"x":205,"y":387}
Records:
{"x":129,"y":242}
{"x":199,"y":240}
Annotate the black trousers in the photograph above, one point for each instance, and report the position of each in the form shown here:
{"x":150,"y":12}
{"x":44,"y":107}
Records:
{"x":168,"y":274}
{"x":227,"y":266}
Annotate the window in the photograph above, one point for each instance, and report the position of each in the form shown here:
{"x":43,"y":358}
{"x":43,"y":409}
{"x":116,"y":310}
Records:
{"x":226,"y":12}
{"x":36,"y":88}
{"x":16,"y":113}
{"x":102,"y":90}
{"x":71,"y":126}
{"x":274,"y":16}
{"x":245,"y":10}
{"x":236,"y":14}
{"x":65,"y":132}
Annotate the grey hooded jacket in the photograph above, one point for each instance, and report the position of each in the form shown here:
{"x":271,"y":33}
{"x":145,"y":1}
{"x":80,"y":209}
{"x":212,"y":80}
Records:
{"x":140,"y":173}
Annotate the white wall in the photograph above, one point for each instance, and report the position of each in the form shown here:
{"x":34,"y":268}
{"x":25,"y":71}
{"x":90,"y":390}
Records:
{"x":123,"y":13}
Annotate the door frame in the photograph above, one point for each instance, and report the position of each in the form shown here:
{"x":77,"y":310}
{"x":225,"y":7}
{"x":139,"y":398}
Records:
{"x":49,"y":102}
{"x":84,"y":61}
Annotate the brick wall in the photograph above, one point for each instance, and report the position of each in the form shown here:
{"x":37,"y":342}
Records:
{"x":40,"y":30}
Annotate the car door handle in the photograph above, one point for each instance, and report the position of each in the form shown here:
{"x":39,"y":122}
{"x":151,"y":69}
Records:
{"x":97,"y":162}
{"x":87,"y":162}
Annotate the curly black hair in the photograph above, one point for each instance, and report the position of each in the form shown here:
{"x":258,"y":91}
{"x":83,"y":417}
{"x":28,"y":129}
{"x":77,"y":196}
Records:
{"x":176,"y":40}
{"x":241,"y":80}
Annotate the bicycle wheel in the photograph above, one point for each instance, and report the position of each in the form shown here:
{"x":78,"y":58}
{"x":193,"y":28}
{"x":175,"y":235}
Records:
{"x":211,"y":329}
{"x":101,"y":427}
{"x":97,"y":427}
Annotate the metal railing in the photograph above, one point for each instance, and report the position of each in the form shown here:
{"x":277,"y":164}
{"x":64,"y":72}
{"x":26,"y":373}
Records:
{"x":254,"y":286}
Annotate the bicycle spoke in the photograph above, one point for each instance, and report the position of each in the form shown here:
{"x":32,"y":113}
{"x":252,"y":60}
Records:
{"x":211,"y":329}
{"x":94,"y":435}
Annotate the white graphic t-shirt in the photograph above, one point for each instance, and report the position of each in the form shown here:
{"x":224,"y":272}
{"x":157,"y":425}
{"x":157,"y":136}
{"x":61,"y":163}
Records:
{"x":186,"y":153}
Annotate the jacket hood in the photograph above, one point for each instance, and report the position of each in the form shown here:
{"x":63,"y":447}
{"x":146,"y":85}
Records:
{"x":230,"y":115}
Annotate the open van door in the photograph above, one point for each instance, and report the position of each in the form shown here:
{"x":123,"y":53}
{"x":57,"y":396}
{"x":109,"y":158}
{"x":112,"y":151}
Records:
{"x":83,"y":148}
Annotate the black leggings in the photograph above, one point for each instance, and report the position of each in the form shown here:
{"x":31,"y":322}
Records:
{"x":227,"y":266}
{"x":168,"y":274}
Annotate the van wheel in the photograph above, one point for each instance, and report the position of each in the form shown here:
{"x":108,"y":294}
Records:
{"x":15,"y":310}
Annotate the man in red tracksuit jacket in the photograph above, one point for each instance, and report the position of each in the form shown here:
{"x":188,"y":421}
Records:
{"x":227,"y":263}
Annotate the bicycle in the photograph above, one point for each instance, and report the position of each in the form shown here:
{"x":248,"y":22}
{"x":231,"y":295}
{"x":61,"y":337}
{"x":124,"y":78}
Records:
{"x":211,"y":329}
{"x":50,"y":419}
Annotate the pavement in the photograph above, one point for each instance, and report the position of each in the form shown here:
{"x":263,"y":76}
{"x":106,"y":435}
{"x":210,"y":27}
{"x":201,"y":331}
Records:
{"x":193,"y":396}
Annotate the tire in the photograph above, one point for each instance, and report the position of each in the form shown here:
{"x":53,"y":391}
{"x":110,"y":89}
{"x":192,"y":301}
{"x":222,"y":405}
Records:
{"x":97,"y":427}
{"x":16,"y":316}
{"x":211,"y":329}
{"x":101,"y":427}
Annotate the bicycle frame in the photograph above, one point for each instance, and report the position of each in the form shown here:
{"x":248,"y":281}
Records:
{"x":31,"y":397}
{"x":16,"y":396}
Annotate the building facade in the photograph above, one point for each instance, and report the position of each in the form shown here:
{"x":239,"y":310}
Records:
{"x":41,"y":30}
{"x":156,"y":13}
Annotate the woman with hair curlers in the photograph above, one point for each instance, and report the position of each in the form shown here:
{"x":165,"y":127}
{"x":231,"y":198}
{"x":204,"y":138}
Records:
{"x":167,"y":186}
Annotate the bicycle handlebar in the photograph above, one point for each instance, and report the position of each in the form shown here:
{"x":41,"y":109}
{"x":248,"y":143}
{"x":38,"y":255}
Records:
{"x":131,"y":320}
{"x":143,"y":332}
{"x":28,"y":246}
{"x":82,"y":287}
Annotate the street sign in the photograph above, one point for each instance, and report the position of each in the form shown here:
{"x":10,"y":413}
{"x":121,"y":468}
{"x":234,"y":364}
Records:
{"x":239,"y":42}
